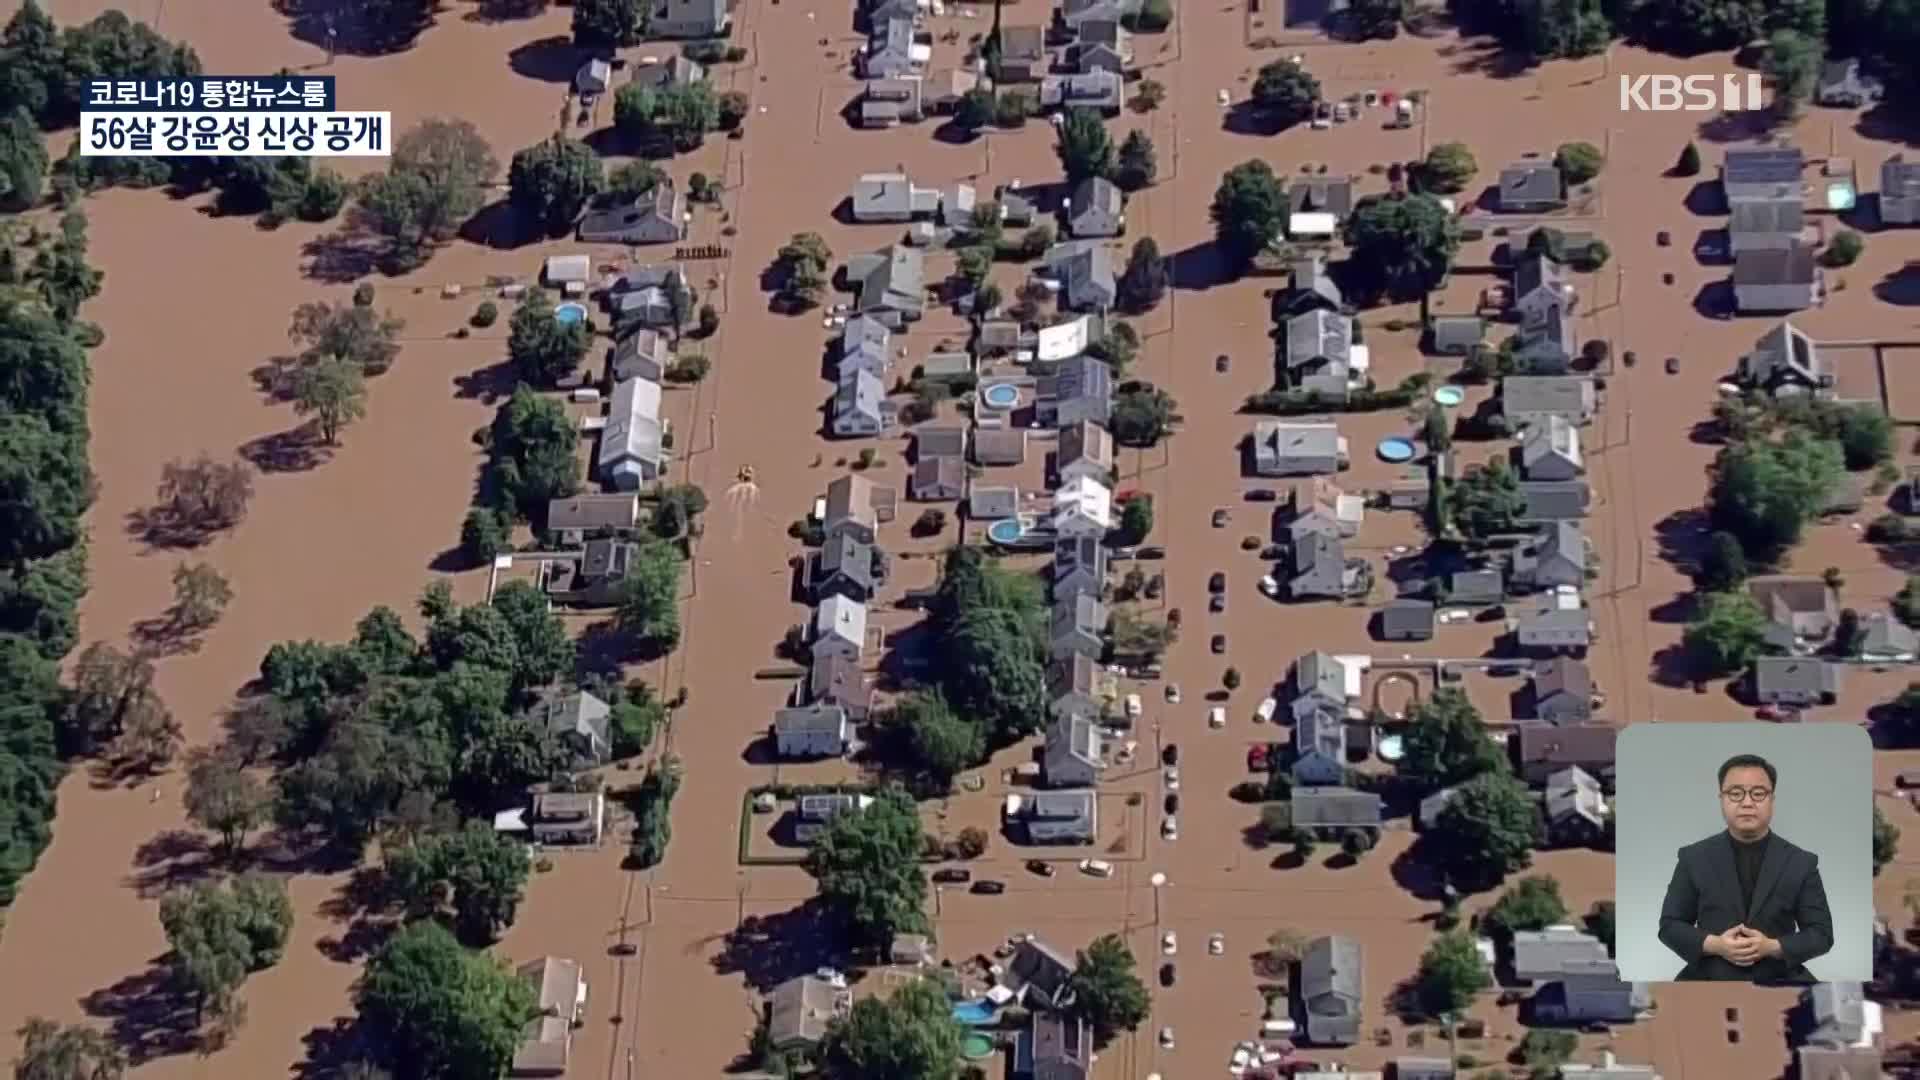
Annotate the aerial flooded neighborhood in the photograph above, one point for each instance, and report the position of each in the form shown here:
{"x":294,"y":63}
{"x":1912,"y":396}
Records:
{"x":702,"y":544}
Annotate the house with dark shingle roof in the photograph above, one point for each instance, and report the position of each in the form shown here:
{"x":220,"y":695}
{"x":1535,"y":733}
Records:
{"x":1540,"y":750}
{"x":1765,"y":222}
{"x":1798,"y":681}
{"x":1781,"y":279}
{"x":1530,"y":399}
{"x":1023,"y":54}
{"x":850,"y":510}
{"x":1079,"y":566}
{"x":1321,"y":195}
{"x":1557,"y":556}
{"x":1073,"y":753}
{"x":1456,"y":335}
{"x":1761,"y":171}
{"x":1540,"y":285}
{"x":1331,"y":811}
{"x":1551,"y":451}
{"x":1053,"y":1046}
{"x":1040,"y":975}
{"x":843,"y":567}
{"x":805,"y":732}
{"x":1310,"y":286}
{"x":1320,"y":749}
{"x":1802,"y":612}
{"x":1554,"y":500}
{"x":836,"y":679}
{"x":1785,"y":362}
{"x":1561,"y":691}
{"x":1080,"y":389}
{"x":1097,"y":208}
{"x":1319,"y":354}
{"x":1531,"y":187}
{"x":1332,"y":994}
{"x":1900,"y":191}
{"x":1405,"y":619}
{"x":1079,"y":626}
{"x":1103,"y":45}
{"x":889,"y":284}
{"x":938,"y":479}
{"x":1084,"y":271}
{"x":1576,"y":808}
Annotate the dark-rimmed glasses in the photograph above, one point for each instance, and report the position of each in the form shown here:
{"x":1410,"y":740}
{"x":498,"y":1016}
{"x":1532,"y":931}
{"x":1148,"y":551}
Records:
{"x":1741,"y":794}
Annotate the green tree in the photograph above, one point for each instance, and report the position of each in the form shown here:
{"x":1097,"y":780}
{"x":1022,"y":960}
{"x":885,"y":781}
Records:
{"x":1486,"y":501}
{"x":545,"y":350}
{"x":1556,"y":29}
{"x":1689,"y":161}
{"x":1142,"y":417}
{"x":477,"y":872}
{"x":1792,"y":63}
{"x":1723,"y":566}
{"x":60,"y":271}
{"x":974,"y":264}
{"x":441,"y":1011}
{"x":533,"y":454}
{"x":1085,"y":148}
{"x":610,"y":23}
{"x":1448,"y":168}
{"x":995,"y":656}
{"x":1532,"y":903}
{"x":334,"y":393}
{"x":211,"y":939}
{"x":1436,"y":430}
{"x":354,"y":333}
{"x":1137,"y":165}
{"x":200,"y":596}
{"x":1136,"y":521}
{"x":1766,"y":492}
{"x":551,"y":182}
{"x":1286,"y":92}
{"x":867,"y":864}
{"x":1107,"y":992}
{"x":483,"y":535}
{"x":1153,"y":17}
{"x":1886,"y":840}
{"x":909,"y":1033}
{"x":224,"y":797}
{"x":803,"y":263}
{"x":437,"y":177}
{"x":1486,"y":831}
{"x":23,"y":161}
{"x":1578,"y":162}
{"x":543,"y":650}
{"x":649,"y":608}
{"x":32,"y":64}
{"x":1544,"y":1050}
{"x":1599,"y":922}
{"x":1451,"y":975}
{"x":50,"y":1051}
{"x":1446,"y":742}
{"x":1402,"y":245}
{"x":1726,"y":633}
{"x":1844,"y":249}
{"x":1144,"y":282}
{"x":974,"y":110}
{"x":632,"y":179}
{"x":943,"y":742}
{"x":1249,"y":210}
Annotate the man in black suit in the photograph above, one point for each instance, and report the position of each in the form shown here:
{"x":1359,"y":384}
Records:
{"x":1744,"y":905}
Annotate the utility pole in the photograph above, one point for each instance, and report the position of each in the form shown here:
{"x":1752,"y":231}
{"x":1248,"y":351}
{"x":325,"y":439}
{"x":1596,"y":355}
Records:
{"x":333,"y":39}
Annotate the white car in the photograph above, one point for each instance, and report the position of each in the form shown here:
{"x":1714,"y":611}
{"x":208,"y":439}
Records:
{"x":1270,"y":585}
{"x":1096,"y":867}
{"x":1169,"y":943}
{"x":1172,"y":777}
{"x":1217,"y":716}
{"x":1265,"y":712}
{"x":1134,"y":708}
{"x":1169,"y":828}
{"x":1173,"y":693}
{"x":1166,"y":1038}
{"x":1217,"y":945}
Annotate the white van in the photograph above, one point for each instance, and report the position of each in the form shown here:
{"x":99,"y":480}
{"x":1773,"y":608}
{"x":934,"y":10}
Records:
{"x":1217,"y":716}
{"x":1096,"y":867}
{"x":1264,"y":713}
{"x":1134,"y":708}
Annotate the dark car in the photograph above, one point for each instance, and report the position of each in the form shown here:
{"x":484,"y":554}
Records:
{"x":1217,"y":583}
{"x":952,"y":876}
{"x":1044,"y":869}
{"x":1491,"y":614}
{"x":1262,"y":495}
{"x":1673,"y":365}
{"x":1218,"y":643}
{"x":1222,"y":362}
{"x":1170,"y":754}
{"x":1217,"y":603}
{"x":989,"y":888}
{"x":1151,"y":551}
{"x":1167,"y":975}
{"x":1172,"y":803}
{"x":1220,"y":518}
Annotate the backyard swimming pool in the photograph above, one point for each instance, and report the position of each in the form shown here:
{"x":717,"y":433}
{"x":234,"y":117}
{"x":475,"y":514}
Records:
{"x":974,"y":1013}
{"x":1396,"y":450}
{"x":570,"y":313}
{"x":1006,"y":532}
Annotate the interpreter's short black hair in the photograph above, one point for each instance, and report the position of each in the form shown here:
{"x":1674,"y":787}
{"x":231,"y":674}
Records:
{"x":1750,"y":761}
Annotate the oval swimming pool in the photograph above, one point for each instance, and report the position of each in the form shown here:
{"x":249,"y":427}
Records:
{"x":1449,"y":395}
{"x":1006,"y":532}
{"x":570,"y":313}
{"x":1001,"y":395}
{"x":974,"y":1013}
{"x":1396,"y":449}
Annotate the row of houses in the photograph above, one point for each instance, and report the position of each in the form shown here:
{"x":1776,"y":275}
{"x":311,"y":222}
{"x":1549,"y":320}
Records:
{"x":842,"y":578}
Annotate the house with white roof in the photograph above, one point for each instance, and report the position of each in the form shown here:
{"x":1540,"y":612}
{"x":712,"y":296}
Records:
{"x":631,"y":447}
{"x":839,"y":628}
{"x":1082,"y":507}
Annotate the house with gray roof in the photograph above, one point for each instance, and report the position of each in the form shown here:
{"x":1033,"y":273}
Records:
{"x":850,"y":510}
{"x":891,"y":197}
{"x":1330,"y":811}
{"x":1550,"y":452}
{"x":879,"y":12}
{"x":839,"y":628}
{"x":1576,"y":808}
{"x":689,"y":19}
{"x":577,"y":724}
{"x":1834,"y":1014}
{"x":1292,"y":448}
{"x":1456,"y":335}
{"x":1541,"y":955}
{"x":1899,"y":191}
{"x":1530,"y":188}
{"x":1000,"y":446}
{"x":595,"y":580}
{"x":1593,"y":992}
{"x":1540,"y":750}
{"x":836,"y":679}
{"x":1786,"y":363}
{"x":939,"y":440}
{"x":1840,"y":1063}
{"x":631,"y":450}
{"x":1072,"y":16}
{"x":942,"y":90}
{"x":800,"y":1011}
{"x":1063,"y":817}
{"x":575,"y":517}
{"x":1842,"y":85}
{"x":1079,"y":390}
{"x":1079,"y":626}
{"x":1103,"y":45}
{"x":1078,"y":684}
{"x":1474,"y":588}
{"x":860,"y":406}
{"x":1319,"y":354}
{"x":889,"y":284}
{"x":1529,"y":399}
{"x":1023,"y":55}
{"x":938,"y":479}
{"x":1885,"y":640}
{"x":1040,"y":976}
{"x":642,"y":354}
{"x":1079,"y":566}
{"x":1797,"y":681}
{"x":1560,"y":691}
{"x":1320,"y":569}
{"x":1073,"y":753}
{"x":1556,"y":556}
{"x":992,"y":502}
{"x":1405,"y":619}
{"x":1096,"y":209}
{"x":1548,"y":344}
{"x":1101,"y":90}
{"x":1554,"y":500}
{"x":1309,"y":286}
{"x":891,"y":52}
{"x":1085,"y":449}
{"x":1423,"y":1068}
{"x":1540,"y":284}
{"x":886,"y":102}
{"x":657,"y":216}
{"x":1802,"y":612}
{"x":1765,"y":222}
{"x":1555,"y":629}
{"x":1320,"y":749}
{"x":1761,"y":172}
{"x":1321,"y":194}
{"x":811,"y":731}
{"x":1084,"y":271}
{"x":1332,"y":991}
{"x":1053,"y":1046}
{"x":594,"y":77}
{"x":1319,"y":681}
{"x":866,"y":345}
{"x":843,"y":567}
{"x":666,"y":73}
{"x":1776,"y":279}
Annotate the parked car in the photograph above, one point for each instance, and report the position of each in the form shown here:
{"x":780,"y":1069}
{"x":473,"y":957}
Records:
{"x":1170,"y":754}
{"x":1217,"y":603}
{"x":1169,"y":943}
{"x":1044,"y":869}
{"x":1096,"y":867}
{"x":1218,"y":643}
{"x":1221,"y":517}
{"x":1172,"y":803}
{"x":1257,"y":757}
{"x":1217,"y":583}
{"x":1216,"y":945}
{"x":1173,"y":693}
{"x":989,"y":888}
{"x":1167,"y":975}
{"x":952,"y":876}
{"x":1171,"y":778}
{"x":1169,"y":828}
{"x":1151,"y":551}
{"x":1262,"y":495}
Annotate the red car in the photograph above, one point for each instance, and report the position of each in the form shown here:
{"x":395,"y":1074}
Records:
{"x":1257,"y":757}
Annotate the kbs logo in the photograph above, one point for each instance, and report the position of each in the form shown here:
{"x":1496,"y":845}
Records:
{"x":1693,"y":93}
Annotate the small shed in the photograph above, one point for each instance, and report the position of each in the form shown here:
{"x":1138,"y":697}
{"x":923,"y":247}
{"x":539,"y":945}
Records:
{"x":566,"y":270}
{"x":593,"y":77}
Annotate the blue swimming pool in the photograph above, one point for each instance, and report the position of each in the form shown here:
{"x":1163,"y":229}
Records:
{"x":1396,"y":450}
{"x":570,"y":313}
{"x":1001,"y":395}
{"x":1006,"y":532}
{"x":974,"y":1013}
